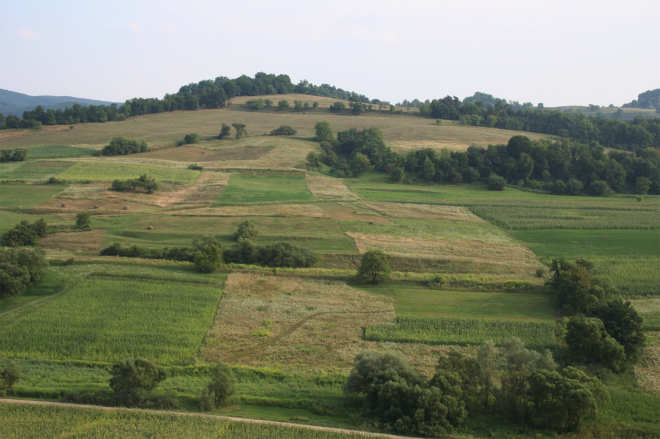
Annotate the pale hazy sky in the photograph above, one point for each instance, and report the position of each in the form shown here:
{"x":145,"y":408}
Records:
{"x":556,"y":52}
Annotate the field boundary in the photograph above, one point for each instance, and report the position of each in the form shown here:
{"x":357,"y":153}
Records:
{"x":221,"y":417}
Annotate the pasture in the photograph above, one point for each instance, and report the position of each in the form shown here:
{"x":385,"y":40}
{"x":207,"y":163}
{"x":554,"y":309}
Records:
{"x":106,"y":171}
{"x":109,"y":318}
{"x":27,"y":195}
{"x":58,"y":152}
{"x":265,"y":189}
{"x":411,"y":299}
{"x":32,"y":170}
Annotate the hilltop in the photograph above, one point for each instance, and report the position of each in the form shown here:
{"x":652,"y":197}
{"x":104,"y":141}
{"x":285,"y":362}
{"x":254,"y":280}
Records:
{"x":12,"y":102}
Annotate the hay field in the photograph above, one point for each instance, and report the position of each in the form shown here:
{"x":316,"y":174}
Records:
{"x":285,"y":210}
{"x":448,"y":249}
{"x":424,"y":211}
{"x":27,"y":195}
{"x":265,"y":189}
{"x":105,"y":171}
{"x":299,"y":324}
{"x":329,"y":188}
{"x":32,"y":170}
{"x":163,"y":129}
{"x":75,"y":241}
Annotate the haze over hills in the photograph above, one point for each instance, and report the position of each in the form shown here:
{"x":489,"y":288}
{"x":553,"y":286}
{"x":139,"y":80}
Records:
{"x":12,"y":102}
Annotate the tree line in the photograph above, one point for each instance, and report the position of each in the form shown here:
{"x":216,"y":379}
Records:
{"x":563,"y":167}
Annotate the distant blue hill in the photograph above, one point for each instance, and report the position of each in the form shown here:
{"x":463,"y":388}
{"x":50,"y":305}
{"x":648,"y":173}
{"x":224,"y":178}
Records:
{"x":16,"y":103}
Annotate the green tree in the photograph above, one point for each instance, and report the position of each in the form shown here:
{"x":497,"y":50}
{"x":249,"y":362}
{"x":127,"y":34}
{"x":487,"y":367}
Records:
{"x":297,"y":105}
{"x":315,"y":105}
{"x":398,"y":175}
{"x":284,"y":130}
{"x":359,"y":164}
{"x":246,"y":230}
{"x":191,"y":138}
{"x":225,"y":131}
{"x":240,"y":130}
{"x":83,"y":220}
{"x":642,"y":185}
{"x":10,"y":374}
{"x":374,"y":267}
{"x":313,"y":159}
{"x":221,"y":387}
{"x":255,"y":104}
{"x":496,"y":183}
{"x":208,"y":257}
{"x":323,"y":132}
{"x":134,"y":379}
{"x":577,"y":290}
{"x":623,"y":323}
{"x":488,"y":358}
{"x":428,"y":169}
{"x":589,"y":342}
{"x":600,"y":188}
{"x":283,"y":105}
{"x":337,"y":107}
{"x":268,"y":102}
{"x":574,"y":186}
{"x":358,"y":108}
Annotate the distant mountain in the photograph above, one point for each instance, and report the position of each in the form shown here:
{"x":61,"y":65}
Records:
{"x":16,"y":103}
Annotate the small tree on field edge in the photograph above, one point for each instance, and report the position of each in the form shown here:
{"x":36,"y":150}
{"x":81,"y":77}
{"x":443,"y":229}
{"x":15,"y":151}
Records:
{"x":83,"y":220}
{"x":221,"y":387}
{"x":240,"y":130}
{"x":245,"y":230}
{"x":134,"y":379}
{"x":375,"y":267}
{"x":225,"y":131}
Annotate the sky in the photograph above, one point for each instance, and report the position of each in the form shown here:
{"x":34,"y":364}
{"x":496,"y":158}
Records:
{"x":557,"y":52}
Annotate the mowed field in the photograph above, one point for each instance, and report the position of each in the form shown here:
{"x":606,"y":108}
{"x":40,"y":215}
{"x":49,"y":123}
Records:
{"x":265,"y":189}
{"x":164,"y":129}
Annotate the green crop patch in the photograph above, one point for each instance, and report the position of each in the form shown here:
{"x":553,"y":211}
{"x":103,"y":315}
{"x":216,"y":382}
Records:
{"x":265,"y":189}
{"x":31,"y":170}
{"x":109,"y":319}
{"x":27,"y":195}
{"x":109,"y":170}
{"x":419,"y":300}
{"x":462,"y":331}
{"x":58,"y":152}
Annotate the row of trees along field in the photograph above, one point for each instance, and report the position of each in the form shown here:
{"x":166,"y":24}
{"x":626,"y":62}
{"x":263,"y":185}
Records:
{"x":614,"y":133}
{"x":563,"y":167}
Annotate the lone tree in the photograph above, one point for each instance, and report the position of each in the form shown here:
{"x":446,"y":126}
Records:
{"x":313,"y":159}
{"x":225,"y":131}
{"x":323,"y":132}
{"x":246,"y":230}
{"x":240,"y":130}
{"x":9,"y":375}
{"x":83,"y":220}
{"x":134,"y":379}
{"x":221,"y":387}
{"x":375,"y":267}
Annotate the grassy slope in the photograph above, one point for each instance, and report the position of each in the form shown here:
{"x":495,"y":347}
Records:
{"x":27,"y":196}
{"x":31,"y":170}
{"x":103,"y":171}
{"x":265,"y":189}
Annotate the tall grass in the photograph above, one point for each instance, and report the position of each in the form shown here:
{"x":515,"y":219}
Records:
{"x":462,"y":331}
{"x":109,"y":170}
{"x":632,"y":275}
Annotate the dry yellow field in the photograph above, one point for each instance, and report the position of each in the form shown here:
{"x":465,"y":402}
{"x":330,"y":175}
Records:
{"x":423,"y":211}
{"x":648,"y":369}
{"x":300,"y":324}
{"x":329,"y":188}
{"x":309,"y":210}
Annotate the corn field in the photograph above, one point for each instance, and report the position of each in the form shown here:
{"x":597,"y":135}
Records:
{"x":462,"y":331}
{"x":24,"y":421}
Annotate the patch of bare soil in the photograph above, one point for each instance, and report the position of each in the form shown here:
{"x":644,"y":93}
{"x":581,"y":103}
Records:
{"x":73,"y":241}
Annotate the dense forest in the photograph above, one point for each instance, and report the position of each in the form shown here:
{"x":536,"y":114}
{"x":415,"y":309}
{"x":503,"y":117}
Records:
{"x":648,"y":99}
{"x":478,"y":110}
{"x":563,"y":167}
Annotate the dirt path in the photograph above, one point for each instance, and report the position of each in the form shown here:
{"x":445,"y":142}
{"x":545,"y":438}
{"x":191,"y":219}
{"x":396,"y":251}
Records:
{"x":228,"y":418}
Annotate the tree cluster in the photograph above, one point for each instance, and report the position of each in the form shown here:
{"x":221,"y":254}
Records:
{"x":522,"y":384}
{"x":124,"y":146}
{"x":206,"y":253}
{"x":284,"y":130}
{"x":281,"y":254}
{"x":600,"y":329}
{"x":19,"y":268}
{"x":133,"y":381}
{"x":648,"y":99}
{"x":145,"y":182}
{"x":24,"y":233}
{"x":13,"y":155}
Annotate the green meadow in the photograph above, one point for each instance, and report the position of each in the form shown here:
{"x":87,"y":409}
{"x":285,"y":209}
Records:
{"x":265,"y":189}
{"x":57,"y":152}
{"x":108,"y":170}
{"x":32,"y":170}
{"x":27,"y":195}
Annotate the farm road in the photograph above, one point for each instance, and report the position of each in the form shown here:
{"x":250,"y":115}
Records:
{"x":229,"y":418}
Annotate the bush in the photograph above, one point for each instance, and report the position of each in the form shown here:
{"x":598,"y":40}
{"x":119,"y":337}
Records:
{"x":323,"y":133}
{"x":283,"y":104}
{"x":53,"y":180}
{"x":600,"y":188}
{"x":558,"y":187}
{"x":10,"y":374}
{"x":246,"y":230}
{"x":124,"y":146}
{"x":144,"y":182}
{"x":313,"y":159}
{"x":255,"y":104}
{"x":496,"y":183}
{"x":208,"y":257}
{"x":574,"y":186}
{"x":134,"y":379}
{"x":337,"y":107}
{"x":589,"y":342}
{"x":24,"y":233}
{"x":374,"y":267}
{"x":225,"y":131}
{"x":83,"y":220}
{"x":284,"y":130}
{"x":191,"y":138}
{"x":195,"y":167}
{"x":281,"y":254}
{"x":221,"y":387}
{"x":13,"y":155}
{"x":398,"y":175}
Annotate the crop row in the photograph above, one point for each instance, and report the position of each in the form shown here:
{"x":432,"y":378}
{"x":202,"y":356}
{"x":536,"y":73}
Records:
{"x":462,"y":331}
{"x":26,"y":421}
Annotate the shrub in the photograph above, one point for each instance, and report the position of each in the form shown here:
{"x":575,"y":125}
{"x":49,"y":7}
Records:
{"x":195,"y":167}
{"x":191,"y":138}
{"x":246,"y":230}
{"x":208,"y":258}
{"x":53,"y":180}
{"x":13,"y":155}
{"x":225,"y":131}
{"x":337,"y":107}
{"x":438,"y":122}
{"x":323,"y":132}
{"x":124,"y":146}
{"x":144,"y":182}
{"x":496,"y":183}
{"x":558,"y":187}
{"x":10,"y":374}
{"x":600,"y":188}
{"x":24,"y":233}
{"x":221,"y":387}
{"x":283,"y":104}
{"x":574,"y":186}
{"x":240,"y":130}
{"x":281,"y":254}
{"x":268,"y":103}
{"x":284,"y":130}
{"x":255,"y":104}
{"x":313,"y":159}
{"x":134,"y":379}
{"x":83,"y":220}
{"x":398,"y":175}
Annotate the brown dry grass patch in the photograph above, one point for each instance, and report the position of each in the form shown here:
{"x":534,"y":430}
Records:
{"x":648,"y":369}
{"x":269,"y":210}
{"x":73,"y":241}
{"x":646,"y":305}
{"x":328,"y":188}
{"x":424,"y":211}
{"x":314,"y":325}
{"x":448,"y":249}
{"x":352,"y":212}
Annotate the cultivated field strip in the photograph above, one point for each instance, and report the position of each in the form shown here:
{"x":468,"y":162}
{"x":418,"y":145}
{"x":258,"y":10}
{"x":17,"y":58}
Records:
{"x":329,"y":188}
{"x":463,"y":331}
{"x":111,"y":170}
{"x":423,"y":211}
{"x":309,"y":210}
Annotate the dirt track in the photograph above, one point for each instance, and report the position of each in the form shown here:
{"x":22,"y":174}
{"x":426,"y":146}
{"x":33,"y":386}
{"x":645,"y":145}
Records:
{"x":229,"y":418}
